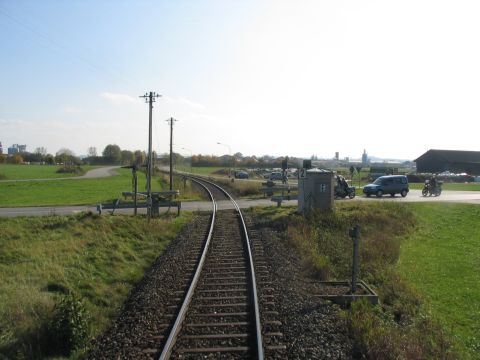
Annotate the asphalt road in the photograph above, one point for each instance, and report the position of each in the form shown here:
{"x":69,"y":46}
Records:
{"x":472,"y":197}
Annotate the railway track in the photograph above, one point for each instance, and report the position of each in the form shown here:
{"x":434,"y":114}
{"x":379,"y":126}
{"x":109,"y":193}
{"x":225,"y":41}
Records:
{"x":220,"y":314}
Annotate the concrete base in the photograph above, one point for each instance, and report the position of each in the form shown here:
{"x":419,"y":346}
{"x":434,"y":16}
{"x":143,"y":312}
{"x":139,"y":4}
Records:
{"x":363,"y":292}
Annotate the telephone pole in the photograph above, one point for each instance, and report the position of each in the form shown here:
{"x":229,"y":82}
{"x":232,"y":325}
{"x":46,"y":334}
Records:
{"x":171,"y":121}
{"x":150,"y":98}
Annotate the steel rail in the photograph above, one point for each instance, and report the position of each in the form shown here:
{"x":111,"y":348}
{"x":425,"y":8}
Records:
{"x":167,"y":349}
{"x":258,"y":326}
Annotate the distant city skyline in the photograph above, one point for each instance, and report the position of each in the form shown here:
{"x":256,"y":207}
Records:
{"x":272,"y":77}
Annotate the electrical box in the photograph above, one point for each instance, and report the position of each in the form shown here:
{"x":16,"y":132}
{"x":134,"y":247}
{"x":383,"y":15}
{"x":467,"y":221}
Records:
{"x":307,"y":164}
{"x":315,"y":190}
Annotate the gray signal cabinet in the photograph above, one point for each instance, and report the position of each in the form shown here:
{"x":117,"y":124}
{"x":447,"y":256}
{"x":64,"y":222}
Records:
{"x":315,"y":190}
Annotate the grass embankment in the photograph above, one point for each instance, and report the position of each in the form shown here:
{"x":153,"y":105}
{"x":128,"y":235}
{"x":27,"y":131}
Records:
{"x":23,"y":172}
{"x":408,"y":325}
{"x":95,"y":259}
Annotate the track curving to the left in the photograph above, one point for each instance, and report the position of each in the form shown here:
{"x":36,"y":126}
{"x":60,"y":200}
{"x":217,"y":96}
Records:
{"x":220,"y":314}
{"x":223,"y":318}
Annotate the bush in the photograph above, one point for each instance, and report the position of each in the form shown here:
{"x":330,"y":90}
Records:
{"x":70,"y":169}
{"x":68,"y":328}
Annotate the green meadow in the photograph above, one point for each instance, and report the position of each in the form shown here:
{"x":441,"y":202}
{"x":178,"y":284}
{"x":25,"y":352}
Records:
{"x":83,"y":191}
{"x":67,"y":192}
{"x":441,"y":259}
{"x":19,"y":172}
{"x":96,"y":259}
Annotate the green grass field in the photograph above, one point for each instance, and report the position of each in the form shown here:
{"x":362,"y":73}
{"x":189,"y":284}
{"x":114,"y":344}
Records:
{"x":18,"y":172}
{"x":66,"y":192}
{"x":442,"y":259}
{"x":96,"y":258}
{"x":78,"y":191}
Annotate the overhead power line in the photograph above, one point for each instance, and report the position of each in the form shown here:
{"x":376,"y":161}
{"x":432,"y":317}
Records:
{"x":55,"y":45}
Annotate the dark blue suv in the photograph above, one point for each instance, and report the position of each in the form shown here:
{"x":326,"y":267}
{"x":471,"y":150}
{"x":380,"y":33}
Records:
{"x":390,"y":184}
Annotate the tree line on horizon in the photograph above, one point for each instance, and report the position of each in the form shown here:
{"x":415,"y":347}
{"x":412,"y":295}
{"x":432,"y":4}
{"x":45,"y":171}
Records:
{"x":112,"y":154}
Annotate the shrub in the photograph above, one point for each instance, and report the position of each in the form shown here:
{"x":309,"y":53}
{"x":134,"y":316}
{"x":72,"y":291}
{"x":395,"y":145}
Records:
{"x":70,"y":169}
{"x":68,"y":327}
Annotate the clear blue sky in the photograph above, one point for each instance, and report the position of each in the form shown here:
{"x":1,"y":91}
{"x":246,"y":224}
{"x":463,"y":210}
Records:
{"x":263,"y":77}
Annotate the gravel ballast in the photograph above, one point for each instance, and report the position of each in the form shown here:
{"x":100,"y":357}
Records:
{"x":311,"y":327}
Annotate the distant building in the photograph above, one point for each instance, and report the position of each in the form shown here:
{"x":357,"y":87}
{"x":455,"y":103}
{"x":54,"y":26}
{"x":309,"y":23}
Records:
{"x":15,"y":149}
{"x":337,"y":155}
{"x":455,"y":161}
{"x":364,"y":157}
{"x":1,"y":148}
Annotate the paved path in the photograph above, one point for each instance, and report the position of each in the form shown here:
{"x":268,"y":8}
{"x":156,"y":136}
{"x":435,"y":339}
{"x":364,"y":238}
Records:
{"x":472,"y":197}
{"x":91,"y":174}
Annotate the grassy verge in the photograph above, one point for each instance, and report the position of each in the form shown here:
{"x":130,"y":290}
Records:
{"x":48,"y":261}
{"x":200,"y":170}
{"x":19,"y":172}
{"x":441,"y":259}
{"x":404,"y":326}
{"x":188,"y":190}
{"x":242,"y":188}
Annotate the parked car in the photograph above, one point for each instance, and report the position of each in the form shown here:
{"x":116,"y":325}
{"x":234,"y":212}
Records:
{"x":241,"y":175}
{"x":276,"y":175}
{"x":390,"y":184}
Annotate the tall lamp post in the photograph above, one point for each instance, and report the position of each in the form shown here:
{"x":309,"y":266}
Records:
{"x":191,"y":156}
{"x":230,"y":154}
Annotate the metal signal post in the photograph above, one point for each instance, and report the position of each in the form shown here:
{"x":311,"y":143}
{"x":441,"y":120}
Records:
{"x":150,"y":99}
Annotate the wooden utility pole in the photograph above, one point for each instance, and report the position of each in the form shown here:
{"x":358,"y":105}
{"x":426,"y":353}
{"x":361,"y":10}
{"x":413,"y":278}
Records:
{"x":171,"y":121}
{"x":150,"y":99}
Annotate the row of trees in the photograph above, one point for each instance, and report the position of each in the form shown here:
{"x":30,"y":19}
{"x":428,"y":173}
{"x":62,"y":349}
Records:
{"x":112,"y":154}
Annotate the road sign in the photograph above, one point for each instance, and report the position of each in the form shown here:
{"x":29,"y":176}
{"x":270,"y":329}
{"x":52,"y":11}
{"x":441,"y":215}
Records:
{"x":303,"y":173}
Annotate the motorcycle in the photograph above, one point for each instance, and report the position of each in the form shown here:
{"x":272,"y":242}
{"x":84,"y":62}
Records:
{"x":342,"y":190}
{"x":430,"y":189}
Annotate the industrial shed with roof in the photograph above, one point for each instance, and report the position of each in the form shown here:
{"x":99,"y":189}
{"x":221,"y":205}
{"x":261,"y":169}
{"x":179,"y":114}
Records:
{"x":455,"y":161}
